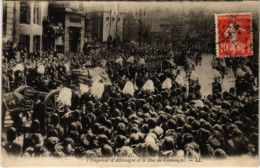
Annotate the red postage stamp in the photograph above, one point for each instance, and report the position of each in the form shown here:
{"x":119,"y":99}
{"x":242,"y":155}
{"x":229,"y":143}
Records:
{"x":234,"y":35}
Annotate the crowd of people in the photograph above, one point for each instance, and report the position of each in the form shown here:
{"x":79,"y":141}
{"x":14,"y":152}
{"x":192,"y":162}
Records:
{"x":150,"y":109}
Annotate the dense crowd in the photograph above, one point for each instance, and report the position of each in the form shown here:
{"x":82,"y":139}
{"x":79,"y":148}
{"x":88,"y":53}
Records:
{"x":161,"y":120}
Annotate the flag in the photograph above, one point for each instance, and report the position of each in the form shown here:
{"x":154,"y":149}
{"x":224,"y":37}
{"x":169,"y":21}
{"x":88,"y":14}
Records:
{"x":67,"y":67}
{"x":131,"y":60}
{"x":194,"y":76}
{"x":142,"y":61}
{"x":93,"y":80}
{"x":103,"y":63}
{"x":129,"y":88}
{"x":41,"y":69}
{"x":19,"y":67}
{"x":97,"y":88}
{"x":83,"y":88}
{"x":167,"y":84}
{"x":65,"y":96}
{"x":148,"y":86}
{"x":180,"y":81}
{"x":119,"y":61}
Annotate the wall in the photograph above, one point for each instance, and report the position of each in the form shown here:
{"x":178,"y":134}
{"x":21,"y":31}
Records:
{"x":30,"y":29}
{"x":68,"y":24}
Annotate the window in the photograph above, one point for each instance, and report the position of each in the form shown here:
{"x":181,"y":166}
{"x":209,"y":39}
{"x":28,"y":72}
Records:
{"x":36,"y":14}
{"x":113,"y":19}
{"x":24,"y":42}
{"x":4,"y":18}
{"x":24,"y":12}
{"x":36,"y":43}
{"x":107,"y":18}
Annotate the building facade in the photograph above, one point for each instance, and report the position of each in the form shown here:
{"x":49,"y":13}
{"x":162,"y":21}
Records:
{"x":59,"y":26}
{"x":22,"y":22}
{"x":70,"y":18}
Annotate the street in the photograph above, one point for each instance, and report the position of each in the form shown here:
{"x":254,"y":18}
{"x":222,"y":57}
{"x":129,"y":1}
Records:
{"x":205,"y":72}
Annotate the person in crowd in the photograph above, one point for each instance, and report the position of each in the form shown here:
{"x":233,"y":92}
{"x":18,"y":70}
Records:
{"x":147,"y":111}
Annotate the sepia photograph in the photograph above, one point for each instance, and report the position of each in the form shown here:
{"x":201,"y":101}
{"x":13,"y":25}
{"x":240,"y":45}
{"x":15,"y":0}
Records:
{"x":129,"y":84}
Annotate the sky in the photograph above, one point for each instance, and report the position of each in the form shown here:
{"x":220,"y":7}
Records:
{"x":248,"y":6}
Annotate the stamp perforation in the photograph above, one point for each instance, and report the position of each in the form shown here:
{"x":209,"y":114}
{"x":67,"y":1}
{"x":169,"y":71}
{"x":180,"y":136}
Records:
{"x":217,"y":34}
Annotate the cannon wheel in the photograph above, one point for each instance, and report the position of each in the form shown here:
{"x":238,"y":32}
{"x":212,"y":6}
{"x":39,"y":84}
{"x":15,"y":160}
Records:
{"x":22,"y":88}
{"x":50,"y":102}
{"x":26,"y":95}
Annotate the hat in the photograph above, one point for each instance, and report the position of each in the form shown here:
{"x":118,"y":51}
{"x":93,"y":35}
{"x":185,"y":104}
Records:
{"x":140,"y":149}
{"x":220,"y":153}
{"x":121,"y":126}
{"x":138,"y":121}
{"x":29,"y":151}
{"x":51,"y":142}
{"x":218,"y":127}
{"x":204,"y":134}
{"x":178,"y":111}
{"x":146,"y":108}
{"x":171,"y":124}
{"x":152,"y":122}
{"x":68,"y":141}
{"x":125,"y":151}
{"x":187,"y":138}
{"x":209,"y":151}
{"x":58,"y":148}
{"x":152,"y":149}
{"x":120,"y":141}
{"x":38,"y":139}
{"x":147,"y":115}
{"x":154,"y":115}
{"x":207,"y":125}
{"x":150,"y":138}
{"x":145,"y":128}
{"x":180,"y":120}
{"x":107,"y":151}
{"x":141,"y":136}
{"x":214,"y":142}
{"x":158,"y":131}
{"x":102,"y":139}
{"x":168,"y":109}
{"x":35,"y":126}
{"x":90,"y":153}
{"x":55,"y":119}
{"x":186,"y":128}
{"x":134,"y":139}
{"x":168,"y":143}
{"x":11,"y":134}
{"x":224,"y":119}
{"x":162,"y":118}
{"x":195,"y":124}
{"x":132,"y":117}
{"x":134,"y":129}
{"x":79,"y":151}
{"x":239,"y":124}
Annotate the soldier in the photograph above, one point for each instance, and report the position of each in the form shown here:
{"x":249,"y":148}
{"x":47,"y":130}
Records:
{"x":216,"y":87}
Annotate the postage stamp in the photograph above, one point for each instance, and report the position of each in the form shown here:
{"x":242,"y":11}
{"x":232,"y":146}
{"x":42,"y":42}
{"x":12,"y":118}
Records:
{"x":234,"y":35}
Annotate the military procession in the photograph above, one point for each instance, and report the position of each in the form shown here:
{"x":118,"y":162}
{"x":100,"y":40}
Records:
{"x":127,"y":99}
